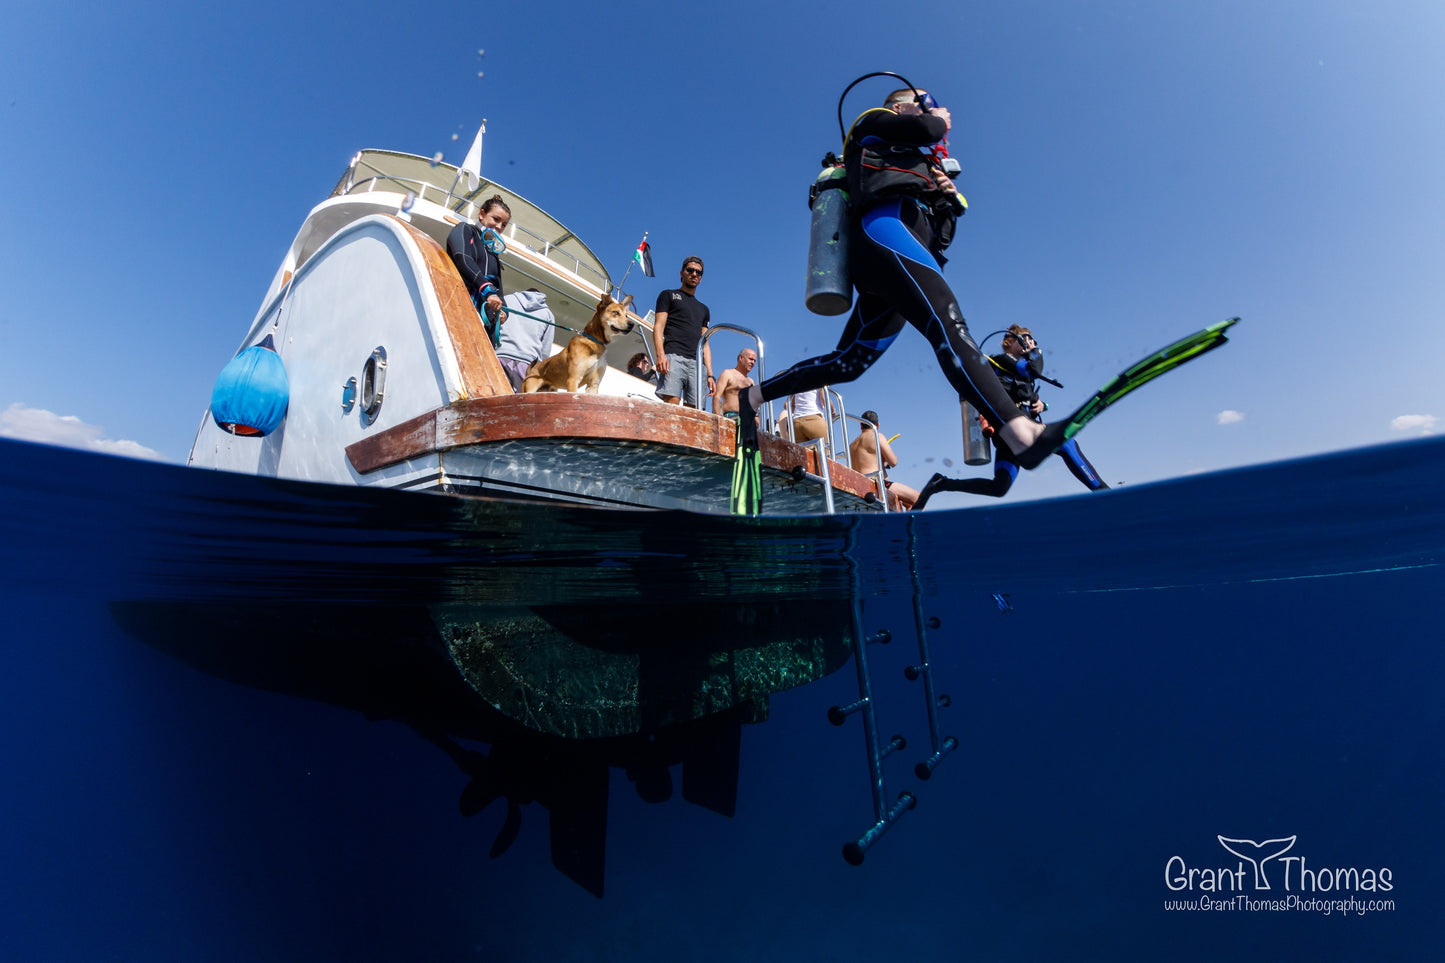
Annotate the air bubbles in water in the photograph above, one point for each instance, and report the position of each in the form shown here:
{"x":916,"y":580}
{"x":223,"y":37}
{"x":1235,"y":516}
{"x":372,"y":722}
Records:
{"x":481,"y":53}
{"x":436,"y":158}
{"x":454,"y":136}
{"x":480,"y":74}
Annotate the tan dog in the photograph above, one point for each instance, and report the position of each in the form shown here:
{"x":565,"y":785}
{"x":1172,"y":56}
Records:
{"x":581,"y":364}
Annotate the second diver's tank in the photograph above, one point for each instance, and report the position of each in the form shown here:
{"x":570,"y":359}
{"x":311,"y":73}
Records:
{"x":975,"y":445}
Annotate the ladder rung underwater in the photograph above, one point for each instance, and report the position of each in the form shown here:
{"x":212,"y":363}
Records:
{"x":885,"y":812}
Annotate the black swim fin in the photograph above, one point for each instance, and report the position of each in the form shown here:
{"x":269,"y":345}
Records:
{"x":747,"y":491}
{"x":1135,"y":376}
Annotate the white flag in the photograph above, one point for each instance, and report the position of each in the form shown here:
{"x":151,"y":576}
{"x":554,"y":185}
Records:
{"x":472,"y":166}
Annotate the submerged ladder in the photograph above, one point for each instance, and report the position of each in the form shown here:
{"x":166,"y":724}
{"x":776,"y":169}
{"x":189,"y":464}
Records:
{"x":886,"y":814}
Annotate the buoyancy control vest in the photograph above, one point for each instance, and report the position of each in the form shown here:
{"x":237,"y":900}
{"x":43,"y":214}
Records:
{"x":881,"y":169}
{"x":873,"y":169}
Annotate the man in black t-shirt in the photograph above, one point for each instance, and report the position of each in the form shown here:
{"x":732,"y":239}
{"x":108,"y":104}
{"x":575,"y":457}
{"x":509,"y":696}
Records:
{"x":677,"y":327}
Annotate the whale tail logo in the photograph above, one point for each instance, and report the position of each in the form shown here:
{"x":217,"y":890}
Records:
{"x":1257,"y":854}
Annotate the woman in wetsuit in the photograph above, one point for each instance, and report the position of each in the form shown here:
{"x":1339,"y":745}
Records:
{"x":476,"y":251}
{"x":905,"y":208}
{"x":1017,"y":369}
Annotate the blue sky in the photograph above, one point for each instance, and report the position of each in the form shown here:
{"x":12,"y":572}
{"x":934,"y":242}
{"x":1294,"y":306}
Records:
{"x":1134,"y":172}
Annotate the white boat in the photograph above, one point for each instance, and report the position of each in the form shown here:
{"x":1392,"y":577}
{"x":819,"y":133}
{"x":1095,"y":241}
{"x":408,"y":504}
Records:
{"x":394,"y":383}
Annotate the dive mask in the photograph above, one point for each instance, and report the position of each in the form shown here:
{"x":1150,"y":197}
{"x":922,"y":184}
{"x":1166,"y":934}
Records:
{"x":493,"y":241}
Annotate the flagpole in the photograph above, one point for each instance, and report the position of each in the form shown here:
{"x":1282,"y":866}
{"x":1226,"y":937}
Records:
{"x":631,"y":262}
{"x":472,"y":164}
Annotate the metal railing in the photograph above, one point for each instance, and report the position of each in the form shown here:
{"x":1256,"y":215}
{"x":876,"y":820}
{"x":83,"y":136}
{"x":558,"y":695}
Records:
{"x":824,"y":477}
{"x":699,"y":380}
{"x":834,"y":414}
{"x":466,"y":208}
{"x":790,"y":409}
{"x":837,"y":423}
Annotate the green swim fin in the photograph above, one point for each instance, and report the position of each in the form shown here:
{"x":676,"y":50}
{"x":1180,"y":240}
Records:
{"x":1140,"y":374}
{"x":1135,"y":376}
{"x":747,"y":494}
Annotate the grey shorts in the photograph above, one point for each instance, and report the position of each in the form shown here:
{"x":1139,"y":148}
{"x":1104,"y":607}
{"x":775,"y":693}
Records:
{"x":678,"y":382}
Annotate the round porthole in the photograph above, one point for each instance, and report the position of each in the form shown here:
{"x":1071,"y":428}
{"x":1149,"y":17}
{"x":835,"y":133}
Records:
{"x":373,"y":382}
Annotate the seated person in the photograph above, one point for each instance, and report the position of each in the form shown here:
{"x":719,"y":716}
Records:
{"x":640,"y":366}
{"x":865,"y":451}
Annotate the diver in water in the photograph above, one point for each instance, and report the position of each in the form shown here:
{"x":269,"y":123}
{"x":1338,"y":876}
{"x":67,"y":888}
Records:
{"x":1018,"y":368}
{"x":904,"y":212}
{"x":476,"y":251}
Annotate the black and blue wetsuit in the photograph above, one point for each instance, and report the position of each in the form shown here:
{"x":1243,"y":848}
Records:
{"x":902,"y":225}
{"x":1017,"y":376}
{"x":480,"y":269}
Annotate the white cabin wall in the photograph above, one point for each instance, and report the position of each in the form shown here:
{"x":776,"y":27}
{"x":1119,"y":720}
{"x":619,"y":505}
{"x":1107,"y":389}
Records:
{"x":366,"y":287}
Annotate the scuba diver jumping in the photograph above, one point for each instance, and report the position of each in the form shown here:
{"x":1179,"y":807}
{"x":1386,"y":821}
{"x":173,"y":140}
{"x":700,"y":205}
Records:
{"x":1018,"y":368}
{"x":903,"y":214}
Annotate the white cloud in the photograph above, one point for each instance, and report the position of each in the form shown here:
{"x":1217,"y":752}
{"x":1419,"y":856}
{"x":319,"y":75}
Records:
{"x":1229,"y":416}
{"x":68,"y":431}
{"x":1425,"y":424}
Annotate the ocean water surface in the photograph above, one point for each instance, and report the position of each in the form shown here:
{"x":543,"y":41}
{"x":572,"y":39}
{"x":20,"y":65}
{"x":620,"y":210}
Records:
{"x":226,"y":736}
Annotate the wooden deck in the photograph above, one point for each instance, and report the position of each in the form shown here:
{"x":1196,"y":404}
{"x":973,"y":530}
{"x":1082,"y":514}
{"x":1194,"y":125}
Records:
{"x":591,"y":421}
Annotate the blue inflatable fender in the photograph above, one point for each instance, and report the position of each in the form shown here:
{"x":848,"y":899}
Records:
{"x":252,"y":392}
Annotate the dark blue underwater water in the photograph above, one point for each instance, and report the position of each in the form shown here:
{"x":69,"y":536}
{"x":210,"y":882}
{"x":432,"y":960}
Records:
{"x":1254,"y":654}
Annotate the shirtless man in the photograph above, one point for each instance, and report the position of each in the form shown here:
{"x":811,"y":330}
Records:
{"x":865,"y":452}
{"x":725,"y":394}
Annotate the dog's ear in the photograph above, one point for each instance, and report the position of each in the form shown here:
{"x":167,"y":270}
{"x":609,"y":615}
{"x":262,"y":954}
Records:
{"x":606,"y":300}
{"x":627,"y":302}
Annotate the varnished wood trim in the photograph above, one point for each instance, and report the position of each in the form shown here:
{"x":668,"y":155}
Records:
{"x":550,"y":416}
{"x":482,"y":374}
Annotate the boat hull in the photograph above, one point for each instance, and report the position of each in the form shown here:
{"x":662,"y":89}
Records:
{"x":634,"y":668}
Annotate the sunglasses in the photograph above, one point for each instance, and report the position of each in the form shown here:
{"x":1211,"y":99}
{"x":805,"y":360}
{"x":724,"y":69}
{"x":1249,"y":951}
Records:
{"x":697,"y":271}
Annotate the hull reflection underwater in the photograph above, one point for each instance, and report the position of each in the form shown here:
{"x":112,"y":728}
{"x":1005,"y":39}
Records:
{"x":562,"y":695}
{"x":391,"y":664}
